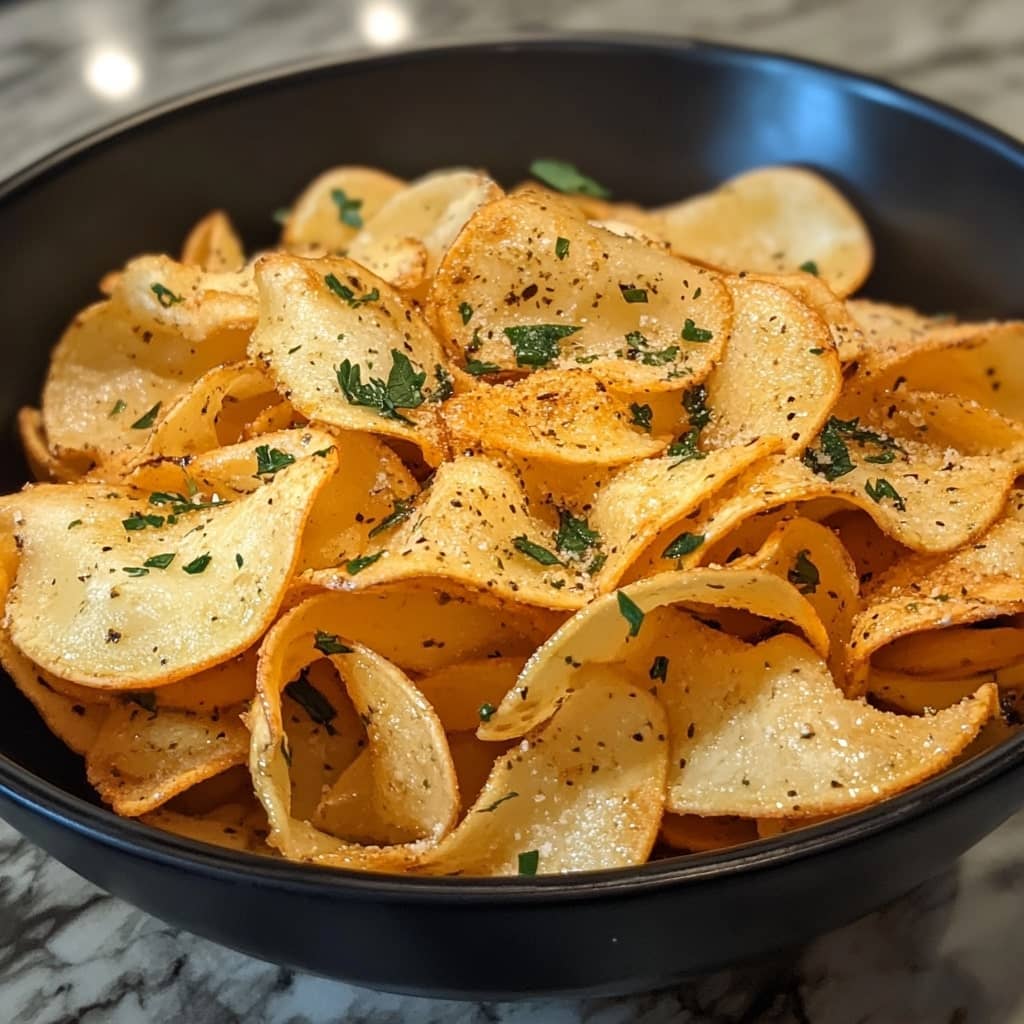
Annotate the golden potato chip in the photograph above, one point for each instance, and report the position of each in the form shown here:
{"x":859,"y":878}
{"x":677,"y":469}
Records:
{"x":610,"y":628}
{"x":280,"y":416}
{"x":406,"y":238}
{"x":325,"y":325}
{"x":954,"y":652}
{"x":780,"y":375}
{"x":143,"y":591}
{"x":44,"y":465}
{"x":872,"y":550}
{"x":414,"y":784}
{"x":334,"y":206}
{"x":141,"y":758}
{"x":213,"y":245}
{"x":529,"y":284}
{"x":765,"y":733}
{"x":463,"y":694}
{"x":564,"y":416}
{"x":918,"y":695}
{"x":583,"y":792}
{"x":773,"y":220}
{"x":473,"y":759}
{"x":692,"y":834}
{"x":473,"y":525}
{"x":235,"y":826}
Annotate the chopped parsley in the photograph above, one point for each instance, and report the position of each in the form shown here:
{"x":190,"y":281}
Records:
{"x":883,"y":489}
{"x":641,"y":415}
{"x":631,"y":294}
{"x":537,"y":344}
{"x":486,"y":712}
{"x":312,"y":701}
{"x":684,"y":544}
{"x":809,"y":267}
{"x":118,"y":407}
{"x":347,"y":295}
{"x":239,"y":560}
{"x":328,"y":643}
{"x":529,"y":862}
{"x":74,"y":523}
{"x":134,"y":570}
{"x":574,"y":535}
{"x":159,"y":561}
{"x":348,"y":209}
{"x":147,"y":419}
{"x":197,"y":565}
{"x":832,"y":458}
{"x":695,"y":402}
{"x":271,"y":460}
{"x":564,"y":177}
{"x":466,"y":312}
{"x":164,"y":295}
{"x":140,"y":522}
{"x":804,"y":575}
{"x":816,"y":351}
{"x":401,"y":511}
{"x":596,"y":564}
{"x":539,"y":554}
{"x":630,"y":611}
{"x":512,"y":794}
{"x":478,"y":369}
{"x":357,"y":565}
{"x":403,"y":389}
{"x":659,"y":668}
{"x":691,"y":332}
{"x":686,"y":448}
{"x":445,"y":388}
{"x":561,"y":247}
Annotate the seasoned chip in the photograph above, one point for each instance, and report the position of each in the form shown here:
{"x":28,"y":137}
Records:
{"x":346,"y":350}
{"x":773,"y":220}
{"x":693,"y":834}
{"x":467,"y":693}
{"x":46,"y":466}
{"x":529,"y":284}
{"x":213,"y":245}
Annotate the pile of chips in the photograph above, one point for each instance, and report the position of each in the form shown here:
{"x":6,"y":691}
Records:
{"x":473,"y":533}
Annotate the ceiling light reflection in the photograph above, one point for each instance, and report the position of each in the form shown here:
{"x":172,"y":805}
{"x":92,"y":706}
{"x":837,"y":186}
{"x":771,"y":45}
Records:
{"x":384,"y":23}
{"x":112,"y":73}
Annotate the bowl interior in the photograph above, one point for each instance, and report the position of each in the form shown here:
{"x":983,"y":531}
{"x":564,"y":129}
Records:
{"x":944,"y":197}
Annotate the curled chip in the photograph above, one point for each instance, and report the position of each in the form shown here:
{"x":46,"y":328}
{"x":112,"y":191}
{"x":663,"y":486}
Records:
{"x":563,"y":416}
{"x":410,"y":771}
{"x":213,"y":245}
{"x":610,"y":629}
{"x":609,"y":741}
{"x":347,"y":351}
{"x":408,"y":235}
{"x":46,"y":466}
{"x":773,"y":220}
{"x":467,"y":692}
{"x":529,"y":285}
{"x":234,"y":826}
{"x":780,"y":375}
{"x":693,"y":834}
{"x":334,"y":206}
{"x":145,"y":593}
{"x":763,"y":732}
{"x":953,"y":652}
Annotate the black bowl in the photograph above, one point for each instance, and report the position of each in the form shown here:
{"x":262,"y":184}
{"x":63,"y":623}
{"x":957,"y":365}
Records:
{"x":944,"y":197}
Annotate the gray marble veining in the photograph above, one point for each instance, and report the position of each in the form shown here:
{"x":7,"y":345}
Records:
{"x":947,"y":954}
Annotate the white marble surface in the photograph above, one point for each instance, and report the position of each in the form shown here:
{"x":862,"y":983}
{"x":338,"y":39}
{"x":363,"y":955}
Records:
{"x":947,"y":954}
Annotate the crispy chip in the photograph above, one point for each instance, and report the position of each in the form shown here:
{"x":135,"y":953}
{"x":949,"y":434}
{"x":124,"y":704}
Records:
{"x":692,"y":834}
{"x":636,"y":317}
{"x":466,"y":692}
{"x":235,"y":826}
{"x":780,"y":375}
{"x":764,"y":733}
{"x":334,"y":206}
{"x":917,"y":695}
{"x":564,"y":416}
{"x":346,"y":350}
{"x":407,"y":237}
{"x":610,"y":629}
{"x":773,"y":220}
{"x":213,"y":245}
{"x":954,"y":652}
{"x":582,"y":793}
{"x":215,"y":579}
{"x":44,"y":465}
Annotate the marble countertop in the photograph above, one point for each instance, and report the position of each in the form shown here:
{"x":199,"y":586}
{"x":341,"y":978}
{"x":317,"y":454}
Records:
{"x":69,"y":954}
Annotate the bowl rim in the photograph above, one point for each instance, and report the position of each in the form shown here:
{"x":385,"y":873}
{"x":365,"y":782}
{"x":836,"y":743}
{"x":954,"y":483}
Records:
{"x":40,"y":797}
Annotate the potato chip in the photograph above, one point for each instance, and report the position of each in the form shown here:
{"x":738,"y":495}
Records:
{"x":324,"y":325}
{"x":473,"y":759}
{"x":692,"y":834}
{"x":142,"y":594}
{"x":334,"y":206}
{"x":213,"y":245}
{"x":918,"y":695}
{"x":414,"y":785}
{"x":873,"y":551}
{"x":44,"y":465}
{"x":233,"y":826}
{"x":583,"y":792}
{"x":280,"y":416}
{"x":563,"y":416}
{"x":473,"y":525}
{"x":407,"y":237}
{"x":141,"y":758}
{"x":529,"y":284}
{"x":780,"y":375}
{"x":954,"y":652}
{"x":464,"y":693}
{"x":765,"y":733}
{"x":773,"y":220}
{"x":608,"y":630}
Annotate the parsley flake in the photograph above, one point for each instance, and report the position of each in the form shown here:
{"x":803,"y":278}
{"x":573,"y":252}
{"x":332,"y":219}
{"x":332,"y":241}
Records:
{"x":401,"y":511}
{"x":540,"y":554}
{"x":804,"y":575}
{"x":511,"y":795}
{"x":347,"y":295}
{"x":659,"y":668}
{"x":574,"y":535}
{"x":486,"y":711}
{"x":164,"y":295}
{"x":239,"y":560}
{"x":74,"y":523}
{"x":882,"y":489}
{"x":403,"y":389}
{"x":134,"y":570}
{"x":466,"y":312}
{"x":809,"y":267}
{"x":691,"y":332}
{"x":685,"y":449}
{"x":564,"y":177}
{"x":118,"y":407}
{"x":271,"y":460}
{"x":561,"y":247}
{"x":641,"y":415}
{"x":312,"y":701}
{"x":832,"y":458}
{"x":478,"y":369}
{"x":348,"y":209}
{"x":147,"y":419}
{"x":357,"y":565}
{"x":684,"y":544}
{"x":630,"y":611}
{"x":159,"y":561}
{"x":537,"y":344}
{"x":197,"y":565}
{"x":529,"y":862}
{"x":328,"y":643}
{"x":631,"y":294}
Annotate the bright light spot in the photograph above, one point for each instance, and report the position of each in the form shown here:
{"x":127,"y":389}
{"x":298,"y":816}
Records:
{"x":384,"y":23}
{"x":112,"y":73}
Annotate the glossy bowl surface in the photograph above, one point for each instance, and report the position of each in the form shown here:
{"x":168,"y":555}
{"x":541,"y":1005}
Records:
{"x":655,"y":120}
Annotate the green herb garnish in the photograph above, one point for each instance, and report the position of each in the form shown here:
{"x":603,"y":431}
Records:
{"x":466,"y":312}
{"x":271,"y":460}
{"x":537,"y":344}
{"x":529,"y":862}
{"x":239,"y":560}
{"x":566,"y":178}
{"x":630,"y":611}
{"x":159,"y":561}
{"x":691,"y":332}
{"x":328,"y":643}
{"x":631,"y":294}
{"x":197,"y":565}
{"x":497,"y":803}
{"x":118,"y":407}
{"x":357,"y":565}
{"x":561,"y":247}
{"x":832,"y":458}
{"x":403,"y":389}
{"x":164,"y":295}
{"x":140,"y":522}
{"x":883,"y":489}
{"x":401,"y":511}
{"x":347,"y":295}
{"x":478,"y":369}
{"x":641,"y":415}
{"x":659,"y":668}
{"x":74,"y":523}
{"x":574,"y":535}
{"x":147,"y":419}
{"x":695,"y":402}
{"x":535,"y":551}
{"x":348,"y":209}
{"x":684,"y":544}
{"x":134,"y":570}
{"x":685,"y":449}
{"x":486,"y":712}
{"x":809,"y":267}
{"x":312,"y":701}
{"x":804,"y":575}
